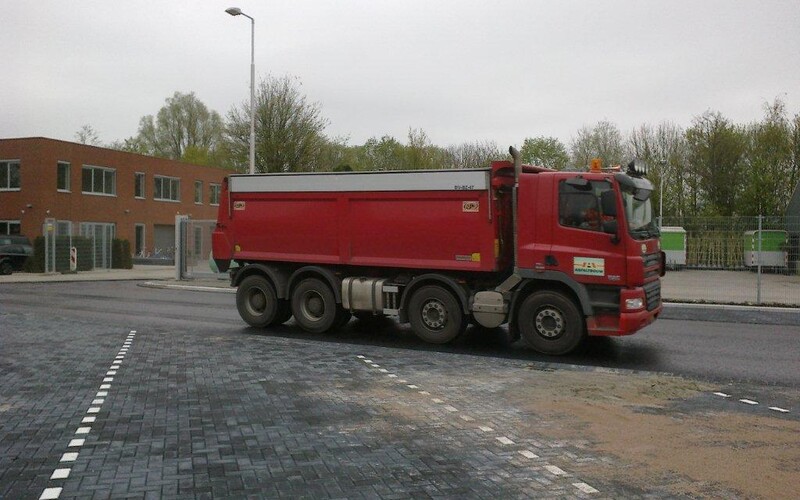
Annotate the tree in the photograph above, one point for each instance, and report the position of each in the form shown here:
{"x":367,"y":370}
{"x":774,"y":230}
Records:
{"x":87,"y":135}
{"x":716,"y":147}
{"x":385,"y":153}
{"x":603,"y":141}
{"x":131,"y":145}
{"x":477,"y":154}
{"x":545,"y":151}
{"x":663,"y":149}
{"x":768,"y":158}
{"x":183,"y":129}
{"x":421,"y":154}
{"x":289,"y":128}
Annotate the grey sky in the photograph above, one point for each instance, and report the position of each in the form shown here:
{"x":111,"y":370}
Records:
{"x":460,"y":70}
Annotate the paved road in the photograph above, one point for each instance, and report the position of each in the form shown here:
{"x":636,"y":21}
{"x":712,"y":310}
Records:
{"x":721,"y":351}
{"x":195,"y":404}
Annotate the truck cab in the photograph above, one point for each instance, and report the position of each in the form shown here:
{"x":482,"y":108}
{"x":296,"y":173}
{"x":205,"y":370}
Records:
{"x":592,"y":234}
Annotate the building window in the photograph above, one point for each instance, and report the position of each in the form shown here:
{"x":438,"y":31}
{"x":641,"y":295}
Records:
{"x":9,"y":175}
{"x":198,"y":192}
{"x":214,"y":196}
{"x":99,"y":180}
{"x":63,"y":228}
{"x":138,"y":185}
{"x":167,"y":188}
{"x":9,"y":226}
{"x":62,"y":176}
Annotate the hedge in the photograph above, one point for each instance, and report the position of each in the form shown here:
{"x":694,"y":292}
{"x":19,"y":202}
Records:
{"x":120,"y":254}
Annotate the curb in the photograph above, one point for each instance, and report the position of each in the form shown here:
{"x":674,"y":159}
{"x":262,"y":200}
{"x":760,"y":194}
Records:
{"x":195,"y":288}
{"x":727,"y":313}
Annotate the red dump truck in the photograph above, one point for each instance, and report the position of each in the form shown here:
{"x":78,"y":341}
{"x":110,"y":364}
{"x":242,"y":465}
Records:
{"x":556,"y":255}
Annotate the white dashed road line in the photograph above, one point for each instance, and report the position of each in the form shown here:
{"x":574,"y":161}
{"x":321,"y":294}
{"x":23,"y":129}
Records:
{"x":778,"y":409}
{"x":752,"y":402}
{"x":54,"y":492}
{"x":581,"y":486}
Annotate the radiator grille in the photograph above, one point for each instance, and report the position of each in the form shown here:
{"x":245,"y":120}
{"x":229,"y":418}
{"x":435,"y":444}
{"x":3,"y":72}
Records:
{"x":652,"y":292}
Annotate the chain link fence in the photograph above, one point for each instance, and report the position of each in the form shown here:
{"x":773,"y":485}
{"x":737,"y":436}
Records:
{"x":737,"y":260}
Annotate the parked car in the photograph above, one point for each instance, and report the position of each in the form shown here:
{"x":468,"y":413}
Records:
{"x":14,"y":251}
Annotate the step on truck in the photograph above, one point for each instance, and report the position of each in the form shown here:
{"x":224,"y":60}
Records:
{"x":557,"y":256}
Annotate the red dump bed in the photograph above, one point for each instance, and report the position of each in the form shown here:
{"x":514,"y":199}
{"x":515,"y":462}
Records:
{"x":434,"y":219}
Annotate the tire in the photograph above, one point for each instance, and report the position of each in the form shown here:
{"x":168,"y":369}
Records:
{"x":256,"y":301}
{"x":6,"y":268}
{"x":314,"y":306}
{"x":551,"y":323}
{"x":435,"y":315}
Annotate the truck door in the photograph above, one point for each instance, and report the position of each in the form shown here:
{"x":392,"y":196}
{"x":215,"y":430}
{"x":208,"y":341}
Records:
{"x":581,"y":248}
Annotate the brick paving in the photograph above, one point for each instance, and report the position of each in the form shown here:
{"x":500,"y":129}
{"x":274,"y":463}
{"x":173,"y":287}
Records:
{"x":213,"y":413}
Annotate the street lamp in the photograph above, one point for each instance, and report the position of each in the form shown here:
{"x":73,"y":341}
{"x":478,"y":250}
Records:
{"x":661,"y":195}
{"x":236,"y":11}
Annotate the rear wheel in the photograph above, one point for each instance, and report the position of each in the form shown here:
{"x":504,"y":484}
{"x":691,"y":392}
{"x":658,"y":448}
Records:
{"x":435,"y":315}
{"x":6,"y":267}
{"x":314,"y":306}
{"x":257,"y":302}
{"x":551,"y":323}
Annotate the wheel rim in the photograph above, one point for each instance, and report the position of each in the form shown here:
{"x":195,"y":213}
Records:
{"x":434,"y":315}
{"x":313,"y":306}
{"x":256,"y":301}
{"x":550,"y":323}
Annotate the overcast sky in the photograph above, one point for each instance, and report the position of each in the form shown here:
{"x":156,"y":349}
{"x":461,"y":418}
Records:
{"x":460,"y":70}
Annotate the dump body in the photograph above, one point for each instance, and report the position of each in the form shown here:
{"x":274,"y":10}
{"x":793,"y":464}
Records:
{"x":436,"y":220}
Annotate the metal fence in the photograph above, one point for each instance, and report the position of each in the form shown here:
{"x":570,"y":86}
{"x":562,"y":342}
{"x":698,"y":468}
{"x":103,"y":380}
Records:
{"x":93,"y":244}
{"x":193,"y":240}
{"x":737,"y":260}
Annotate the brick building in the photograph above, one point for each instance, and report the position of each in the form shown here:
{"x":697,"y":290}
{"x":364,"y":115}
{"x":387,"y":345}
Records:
{"x":94,"y":191}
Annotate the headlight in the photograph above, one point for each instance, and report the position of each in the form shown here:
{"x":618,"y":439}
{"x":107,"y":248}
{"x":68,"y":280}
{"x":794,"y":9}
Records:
{"x":634,"y":304}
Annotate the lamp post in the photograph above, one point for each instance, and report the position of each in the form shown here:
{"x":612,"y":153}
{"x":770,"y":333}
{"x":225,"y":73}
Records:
{"x":236,"y":11}
{"x":661,"y":195}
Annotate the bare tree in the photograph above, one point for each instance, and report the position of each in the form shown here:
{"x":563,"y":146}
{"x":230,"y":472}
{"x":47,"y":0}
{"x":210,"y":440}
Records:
{"x":603,"y":141}
{"x":87,"y":135}
{"x":476,"y":154}
{"x":289,"y":128}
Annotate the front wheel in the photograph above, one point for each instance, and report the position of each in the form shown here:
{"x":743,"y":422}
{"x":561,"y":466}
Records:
{"x":551,"y":323}
{"x":435,"y":315}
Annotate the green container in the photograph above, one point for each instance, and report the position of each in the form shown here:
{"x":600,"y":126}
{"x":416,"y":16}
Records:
{"x":774,"y":246}
{"x":673,"y":243}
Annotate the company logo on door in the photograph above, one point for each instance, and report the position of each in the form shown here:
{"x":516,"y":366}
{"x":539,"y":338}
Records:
{"x":588,"y":266}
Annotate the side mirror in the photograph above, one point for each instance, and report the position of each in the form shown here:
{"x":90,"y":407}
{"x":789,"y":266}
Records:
{"x":608,"y":202}
{"x":611,"y":227}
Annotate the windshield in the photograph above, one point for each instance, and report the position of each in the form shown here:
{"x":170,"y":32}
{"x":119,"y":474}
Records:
{"x":639,"y":214}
